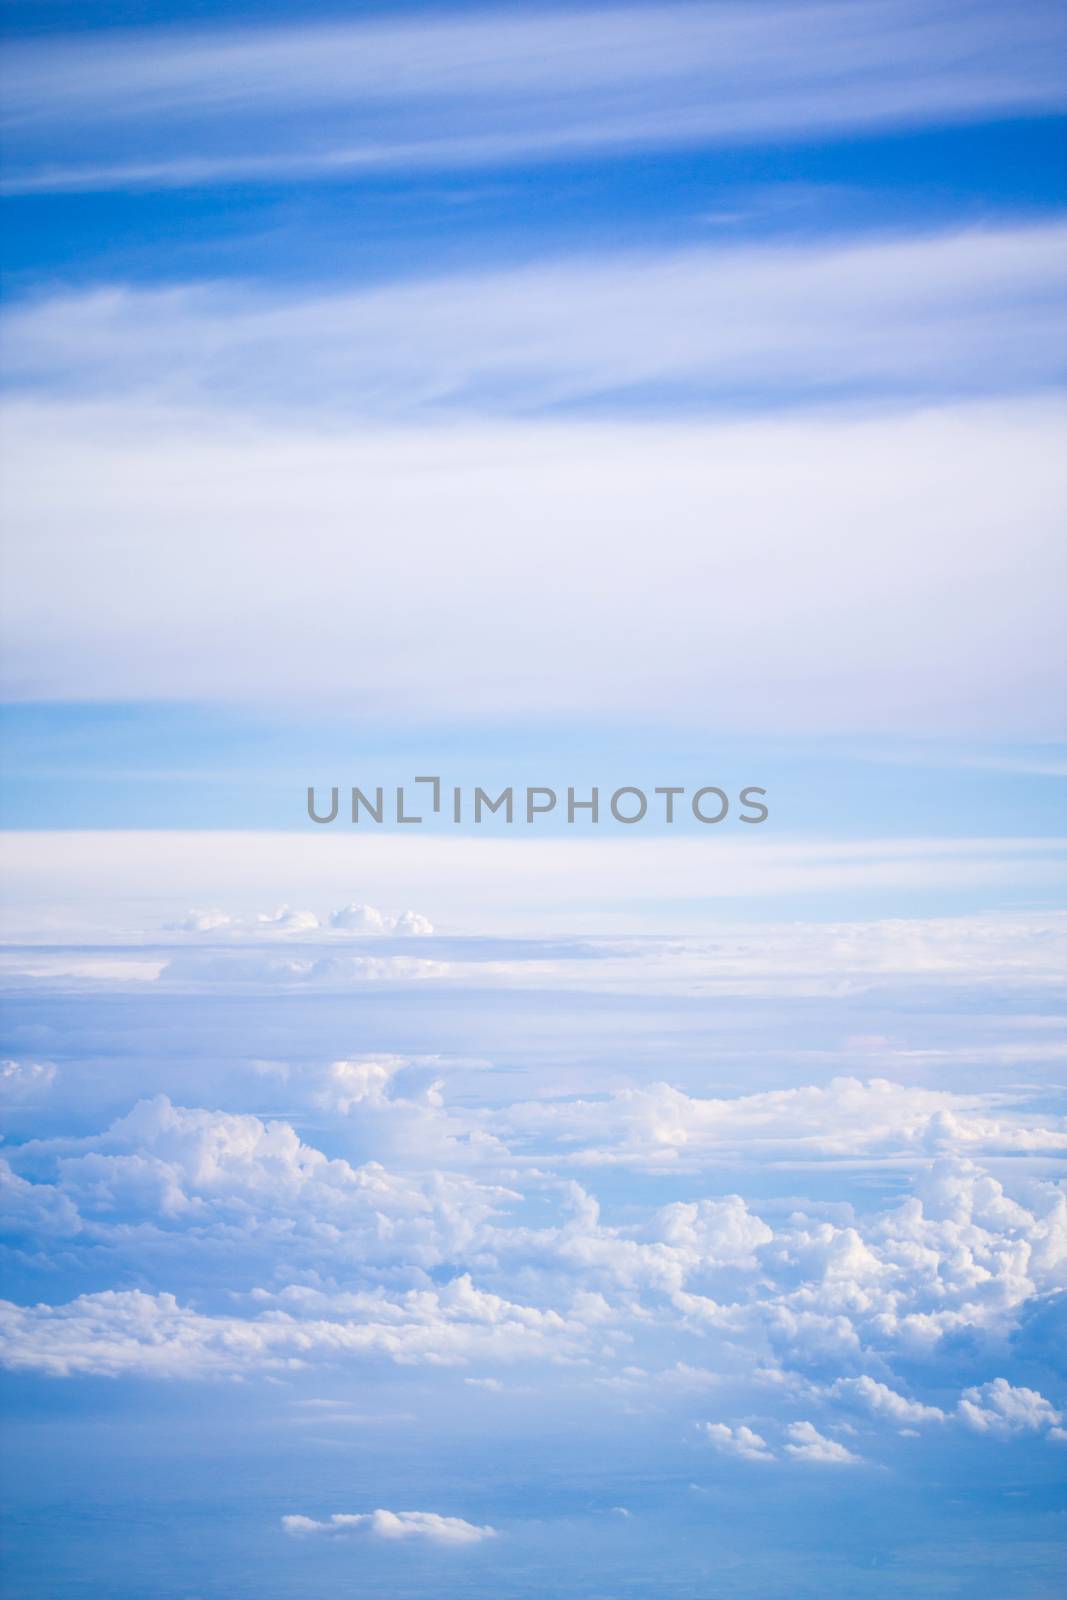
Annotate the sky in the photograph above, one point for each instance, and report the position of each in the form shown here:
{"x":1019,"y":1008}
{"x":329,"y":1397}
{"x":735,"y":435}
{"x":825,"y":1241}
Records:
{"x":557,"y":398}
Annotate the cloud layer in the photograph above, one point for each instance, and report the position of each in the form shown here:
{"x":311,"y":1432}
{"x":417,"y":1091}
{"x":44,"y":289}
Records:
{"x":302,"y":1261}
{"x":671,"y":536}
{"x":496,"y":87}
{"x":702,"y":328}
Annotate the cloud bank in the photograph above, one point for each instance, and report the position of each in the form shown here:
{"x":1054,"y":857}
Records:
{"x":751,"y":528}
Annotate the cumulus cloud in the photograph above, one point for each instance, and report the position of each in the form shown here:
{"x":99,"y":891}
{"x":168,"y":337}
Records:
{"x":848,"y":1118}
{"x":740,"y":1441}
{"x":128,"y":1332}
{"x":882,"y":1401}
{"x":271,"y":1255}
{"x":357,"y":918}
{"x":286,"y":921}
{"x":803,"y":1443}
{"x":676,"y":1243}
{"x":352,"y":918}
{"x":999,"y":1407}
{"x":812,"y":1293}
{"x":393,"y":1525}
{"x":361,"y":1081}
{"x":958,"y":1254}
{"x":253,"y":1189}
{"x":35,"y":1214}
{"x":808,"y":1444}
{"x":397,"y":1106}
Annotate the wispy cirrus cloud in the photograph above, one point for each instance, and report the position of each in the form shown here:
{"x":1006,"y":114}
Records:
{"x":977,"y":310}
{"x":182,"y":106}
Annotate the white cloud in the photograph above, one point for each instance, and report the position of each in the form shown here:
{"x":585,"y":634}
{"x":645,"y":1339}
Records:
{"x":958,"y":1254}
{"x":740,"y":1441}
{"x":435,"y":91}
{"x":357,"y":918}
{"x":882,"y":1401}
{"x":35,"y":1212}
{"x":752,"y":518}
{"x":678,"y":1241}
{"x":849,"y":1118}
{"x":362,"y":1081}
{"x":783,"y":322}
{"x":255,"y":1190}
{"x":808,"y":1444}
{"x":803,"y":1310}
{"x":805,"y":1443}
{"x":999,"y":1407}
{"x":129,"y":1332}
{"x":275,"y":1255}
{"x":393,"y":1525}
{"x":286,"y":922}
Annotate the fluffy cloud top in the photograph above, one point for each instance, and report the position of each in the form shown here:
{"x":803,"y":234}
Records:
{"x":546,"y":1278}
{"x":999,"y":1407}
{"x":250,"y":1188}
{"x":284,"y":922}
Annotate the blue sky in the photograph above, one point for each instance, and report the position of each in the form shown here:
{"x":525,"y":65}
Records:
{"x":558,"y":395}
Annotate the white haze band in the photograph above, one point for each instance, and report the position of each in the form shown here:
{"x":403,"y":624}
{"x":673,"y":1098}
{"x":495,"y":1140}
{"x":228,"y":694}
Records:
{"x":626,"y":805}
